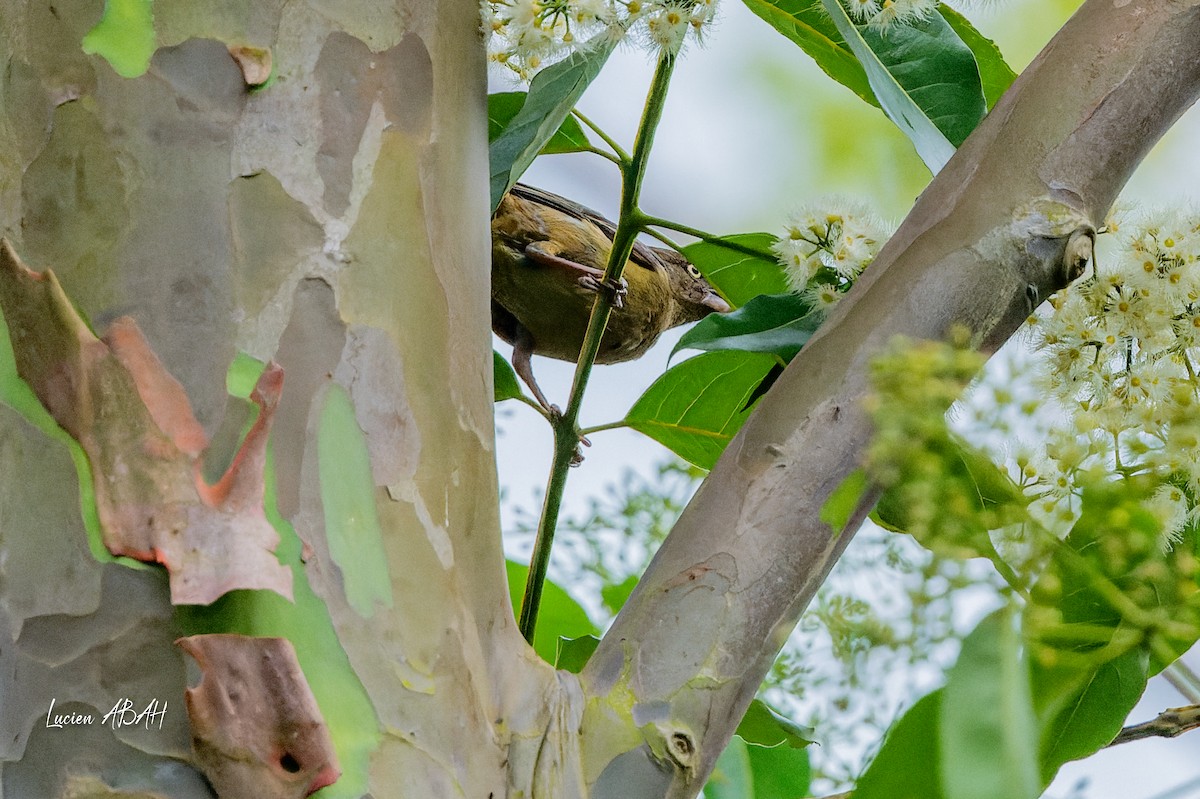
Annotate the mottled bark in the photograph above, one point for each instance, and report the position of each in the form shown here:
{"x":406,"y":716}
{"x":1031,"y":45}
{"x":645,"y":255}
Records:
{"x":1014,"y":208}
{"x":334,"y":220}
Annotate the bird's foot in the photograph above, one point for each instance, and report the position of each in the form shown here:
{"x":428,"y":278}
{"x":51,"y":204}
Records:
{"x":615,"y":289}
{"x":577,"y":457}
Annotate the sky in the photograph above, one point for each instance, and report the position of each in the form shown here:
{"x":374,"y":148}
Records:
{"x":752,"y":131}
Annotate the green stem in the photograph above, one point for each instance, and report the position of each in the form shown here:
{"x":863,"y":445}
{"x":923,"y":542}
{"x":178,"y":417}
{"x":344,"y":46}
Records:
{"x":532,"y":403}
{"x":1184,"y":680}
{"x":566,"y":428}
{"x":587,"y":431}
{"x":1181,"y":686}
{"x":1009,"y":576}
{"x":621,"y":155}
{"x":711,"y":238}
{"x":602,"y":154}
{"x":658,"y":234}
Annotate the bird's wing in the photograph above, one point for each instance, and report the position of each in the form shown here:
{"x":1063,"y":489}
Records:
{"x":641,"y":255}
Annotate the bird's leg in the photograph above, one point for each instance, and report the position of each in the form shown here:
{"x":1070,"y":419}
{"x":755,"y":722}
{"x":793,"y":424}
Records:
{"x":522,"y":361}
{"x":591,"y":278}
{"x":523,"y":366}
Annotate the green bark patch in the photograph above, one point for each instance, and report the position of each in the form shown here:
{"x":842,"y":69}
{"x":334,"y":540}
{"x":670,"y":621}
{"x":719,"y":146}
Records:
{"x":124,"y":36}
{"x":348,"y":496}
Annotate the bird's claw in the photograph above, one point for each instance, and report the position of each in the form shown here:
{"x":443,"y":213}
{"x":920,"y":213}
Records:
{"x":577,"y":456}
{"x":616,"y":290}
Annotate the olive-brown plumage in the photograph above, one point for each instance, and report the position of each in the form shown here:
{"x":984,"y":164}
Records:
{"x":548,"y":260}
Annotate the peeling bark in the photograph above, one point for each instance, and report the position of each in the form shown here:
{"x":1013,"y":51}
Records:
{"x":218,"y":211}
{"x":256,"y":729}
{"x":144,"y":445}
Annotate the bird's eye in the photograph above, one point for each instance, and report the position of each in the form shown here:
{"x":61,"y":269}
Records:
{"x":1032,"y":296}
{"x":694,"y":272}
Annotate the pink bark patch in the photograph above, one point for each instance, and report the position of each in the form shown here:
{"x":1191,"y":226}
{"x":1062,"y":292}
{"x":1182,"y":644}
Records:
{"x":256,"y":728}
{"x":144,"y":444}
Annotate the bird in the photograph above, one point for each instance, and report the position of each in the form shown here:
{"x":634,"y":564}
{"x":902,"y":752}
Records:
{"x":548,"y":261}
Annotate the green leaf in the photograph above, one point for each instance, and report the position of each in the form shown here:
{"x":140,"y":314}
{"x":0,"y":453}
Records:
{"x":732,"y":778}
{"x":839,"y":508}
{"x":805,"y":24}
{"x":746,"y":770}
{"x":504,"y":379}
{"x":559,"y":616}
{"x":552,"y":95}
{"x":924,"y":77}
{"x":907,"y":766}
{"x":737,"y":275}
{"x":762,"y":726}
{"x":780,"y":772}
{"x":1091,"y":660}
{"x":573,"y":653}
{"x":1094,"y":713}
{"x":988,"y":732}
{"x":766,"y":383}
{"x":503,"y":106}
{"x":614,"y":596}
{"x":696,"y":407}
{"x":1113,"y":559}
{"x":776,"y":323}
{"x":981,"y":479}
{"x":994,"y":72}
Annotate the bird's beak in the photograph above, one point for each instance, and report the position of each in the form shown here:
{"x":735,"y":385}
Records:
{"x":715,"y":303}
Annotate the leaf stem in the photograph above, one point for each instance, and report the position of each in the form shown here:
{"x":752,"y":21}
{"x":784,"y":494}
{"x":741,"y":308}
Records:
{"x":602,"y":153}
{"x":711,"y":238}
{"x":566,"y":427}
{"x":621,"y":155}
{"x":1182,"y":680}
{"x":663,"y":238}
{"x":587,"y":431}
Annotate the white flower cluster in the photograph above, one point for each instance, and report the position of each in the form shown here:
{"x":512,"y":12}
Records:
{"x":823,"y":251}
{"x":1121,"y":352}
{"x":884,"y":13}
{"x":527,"y":35}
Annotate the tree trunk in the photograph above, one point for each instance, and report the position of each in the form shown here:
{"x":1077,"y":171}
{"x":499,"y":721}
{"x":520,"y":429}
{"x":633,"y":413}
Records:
{"x":334,"y":220}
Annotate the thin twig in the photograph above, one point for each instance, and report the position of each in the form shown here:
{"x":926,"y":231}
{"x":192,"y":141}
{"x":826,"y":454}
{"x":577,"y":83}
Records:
{"x":1181,"y":685}
{"x":620,"y":154}
{"x":587,"y":431}
{"x":656,"y":221}
{"x":1181,"y":669}
{"x":1169,"y":724}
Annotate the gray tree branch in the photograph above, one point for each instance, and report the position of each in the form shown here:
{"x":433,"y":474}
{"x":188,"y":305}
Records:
{"x":1011,"y":212}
